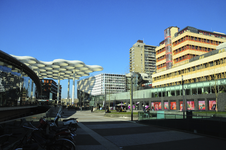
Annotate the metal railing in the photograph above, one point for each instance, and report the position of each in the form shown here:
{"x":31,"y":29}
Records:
{"x":213,"y":115}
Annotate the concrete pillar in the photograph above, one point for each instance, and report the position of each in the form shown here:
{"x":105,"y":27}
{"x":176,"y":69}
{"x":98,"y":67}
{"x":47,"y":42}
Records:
{"x":68,"y":89}
{"x":197,"y":90}
{"x":206,"y":104}
{"x":177,"y":104}
{"x":149,"y":103}
{"x":58,"y":89}
{"x":196,"y":102}
{"x":73,"y":89}
{"x":140,"y":106}
{"x":210,"y":88}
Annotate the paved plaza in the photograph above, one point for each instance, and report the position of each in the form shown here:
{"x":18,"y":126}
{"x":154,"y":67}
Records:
{"x":97,"y":132}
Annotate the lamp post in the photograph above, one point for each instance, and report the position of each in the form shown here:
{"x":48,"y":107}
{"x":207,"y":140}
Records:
{"x":105,"y":99}
{"x":183,"y":96}
{"x":185,"y":99}
{"x":131,"y":97}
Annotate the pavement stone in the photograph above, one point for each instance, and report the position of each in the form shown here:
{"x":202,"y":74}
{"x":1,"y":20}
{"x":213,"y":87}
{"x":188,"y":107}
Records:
{"x":121,"y":133}
{"x":97,"y":132}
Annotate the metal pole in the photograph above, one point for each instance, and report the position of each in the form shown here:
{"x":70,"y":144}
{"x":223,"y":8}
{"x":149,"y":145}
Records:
{"x":183,"y":97}
{"x":131,"y":100}
{"x":105,"y":98}
{"x":143,"y":102}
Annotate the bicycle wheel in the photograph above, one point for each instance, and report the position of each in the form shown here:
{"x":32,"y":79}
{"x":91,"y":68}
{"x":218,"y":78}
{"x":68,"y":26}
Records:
{"x":61,"y":144}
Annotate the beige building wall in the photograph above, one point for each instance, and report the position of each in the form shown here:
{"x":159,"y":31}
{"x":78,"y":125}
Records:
{"x":173,"y":30}
{"x":199,"y":69}
{"x":180,"y":41}
{"x":138,"y":57}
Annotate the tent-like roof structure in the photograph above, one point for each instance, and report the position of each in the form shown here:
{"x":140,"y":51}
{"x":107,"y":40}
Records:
{"x":58,"y":68}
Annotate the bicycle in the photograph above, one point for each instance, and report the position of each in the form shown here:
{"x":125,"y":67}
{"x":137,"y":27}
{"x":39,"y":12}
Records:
{"x":4,"y":140}
{"x":38,"y":139}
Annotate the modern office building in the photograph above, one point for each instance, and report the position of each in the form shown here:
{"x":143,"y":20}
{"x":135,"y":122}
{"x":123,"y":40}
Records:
{"x":204,"y":85}
{"x":101,"y":84}
{"x":49,"y":90}
{"x":19,"y":85}
{"x":142,"y":58}
{"x":179,"y":46}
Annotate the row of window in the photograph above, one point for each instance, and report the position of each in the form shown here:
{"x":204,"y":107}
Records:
{"x":191,"y":38}
{"x":188,"y":56}
{"x":190,"y":69}
{"x":161,"y":58}
{"x":216,"y":35}
{"x":161,"y":66}
{"x":196,"y":80}
{"x":161,"y":50}
{"x":185,"y":57}
{"x":192,"y":47}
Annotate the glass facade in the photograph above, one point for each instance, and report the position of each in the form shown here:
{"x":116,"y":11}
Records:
{"x":16,"y":87}
{"x":206,"y":87}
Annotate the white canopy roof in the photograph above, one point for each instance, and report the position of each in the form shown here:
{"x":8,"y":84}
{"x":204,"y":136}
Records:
{"x":58,"y":68}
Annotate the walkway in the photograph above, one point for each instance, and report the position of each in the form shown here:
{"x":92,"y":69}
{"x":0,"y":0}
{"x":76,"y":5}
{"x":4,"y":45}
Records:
{"x":97,"y":132}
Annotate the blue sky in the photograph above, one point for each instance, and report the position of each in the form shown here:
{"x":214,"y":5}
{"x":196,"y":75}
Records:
{"x":98,"y":32}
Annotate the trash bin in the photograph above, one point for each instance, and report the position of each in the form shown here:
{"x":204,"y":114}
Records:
{"x":189,"y":114}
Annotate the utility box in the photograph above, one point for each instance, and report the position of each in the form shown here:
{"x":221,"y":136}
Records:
{"x":160,"y":115}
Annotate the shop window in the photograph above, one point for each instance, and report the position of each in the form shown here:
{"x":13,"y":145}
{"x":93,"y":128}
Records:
{"x":199,"y":90}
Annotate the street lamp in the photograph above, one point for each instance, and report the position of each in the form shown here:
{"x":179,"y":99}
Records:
{"x":131,"y":96}
{"x":105,"y":99}
{"x":183,"y":96}
{"x":185,"y":99}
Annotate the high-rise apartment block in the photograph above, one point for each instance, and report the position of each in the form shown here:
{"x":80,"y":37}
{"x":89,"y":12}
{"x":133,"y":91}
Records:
{"x":142,"y":58}
{"x":179,"y":46}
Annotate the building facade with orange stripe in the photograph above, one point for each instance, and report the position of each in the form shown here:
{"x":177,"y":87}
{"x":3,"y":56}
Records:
{"x":180,"y":46}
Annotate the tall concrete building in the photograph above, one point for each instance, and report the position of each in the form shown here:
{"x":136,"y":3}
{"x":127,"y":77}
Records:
{"x":142,"y":58}
{"x":179,"y":46}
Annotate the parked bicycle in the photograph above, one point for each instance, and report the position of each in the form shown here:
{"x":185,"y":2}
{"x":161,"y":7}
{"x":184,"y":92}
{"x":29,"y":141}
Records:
{"x":38,"y":138}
